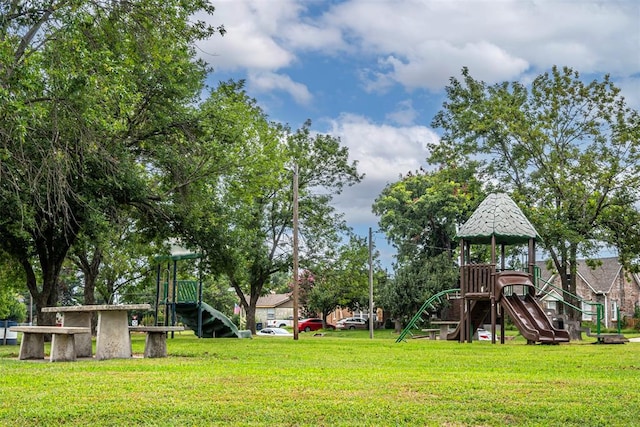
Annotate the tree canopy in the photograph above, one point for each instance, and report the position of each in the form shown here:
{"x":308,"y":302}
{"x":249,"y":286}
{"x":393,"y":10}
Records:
{"x":566,"y":150}
{"x":341,"y":279}
{"x":90,"y":93}
{"x":419,"y":215}
{"x":242,"y":219}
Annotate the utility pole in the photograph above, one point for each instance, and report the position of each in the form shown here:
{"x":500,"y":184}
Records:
{"x":371,"y":317}
{"x":295,"y":252}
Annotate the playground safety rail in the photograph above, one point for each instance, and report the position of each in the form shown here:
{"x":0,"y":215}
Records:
{"x":429,"y":303}
{"x":599,"y":307}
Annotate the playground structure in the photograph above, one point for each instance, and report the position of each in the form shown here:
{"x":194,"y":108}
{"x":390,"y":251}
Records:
{"x":184,"y":298}
{"x":489,"y":291}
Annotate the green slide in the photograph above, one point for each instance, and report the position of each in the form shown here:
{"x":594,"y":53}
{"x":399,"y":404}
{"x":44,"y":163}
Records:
{"x":214,"y":323}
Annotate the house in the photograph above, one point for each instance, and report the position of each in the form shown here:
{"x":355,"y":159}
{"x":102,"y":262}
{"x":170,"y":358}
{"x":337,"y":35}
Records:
{"x":280,"y":306}
{"x":608,"y":284}
{"x":273,"y":306}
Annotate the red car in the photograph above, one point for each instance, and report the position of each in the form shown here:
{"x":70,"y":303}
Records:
{"x":312,"y":324}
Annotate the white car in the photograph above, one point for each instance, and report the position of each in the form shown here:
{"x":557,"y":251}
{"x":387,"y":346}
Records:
{"x":274,"y":332}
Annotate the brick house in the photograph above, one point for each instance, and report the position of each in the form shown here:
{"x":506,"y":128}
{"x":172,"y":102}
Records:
{"x":608,"y":284}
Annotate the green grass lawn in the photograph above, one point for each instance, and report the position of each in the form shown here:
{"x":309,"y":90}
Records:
{"x":342,"y":378}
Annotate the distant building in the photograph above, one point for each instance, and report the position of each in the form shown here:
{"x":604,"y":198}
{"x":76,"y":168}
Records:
{"x":609,"y":284}
{"x":280,"y":306}
{"x":273,"y":306}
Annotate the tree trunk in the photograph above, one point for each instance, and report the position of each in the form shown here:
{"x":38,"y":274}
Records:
{"x":251,"y":320}
{"x":573,"y":328}
{"x":48,"y":297}
{"x":324,"y":319}
{"x":397,"y":326}
{"x":90,"y":269}
{"x":255,"y":294}
{"x":573,"y":314}
{"x":255,"y":289}
{"x":249,"y":307}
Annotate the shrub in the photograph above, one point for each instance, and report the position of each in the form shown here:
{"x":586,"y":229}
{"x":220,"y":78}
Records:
{"x":12,"y":308}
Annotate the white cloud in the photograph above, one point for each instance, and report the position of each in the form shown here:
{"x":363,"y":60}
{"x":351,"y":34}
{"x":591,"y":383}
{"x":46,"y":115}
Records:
{"x":384,"y":152}
{"x":404,"y":114}
{"x":252,"y":38}
{"x":314,"y":37}
{"x":420,"y":44}
{"x":631,"y":91}
{"x":269,"y":82}
{"x":431,"y":64}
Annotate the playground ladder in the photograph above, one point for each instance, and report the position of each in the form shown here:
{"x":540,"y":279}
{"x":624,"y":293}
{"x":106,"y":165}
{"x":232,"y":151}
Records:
{"x":428,"y":305}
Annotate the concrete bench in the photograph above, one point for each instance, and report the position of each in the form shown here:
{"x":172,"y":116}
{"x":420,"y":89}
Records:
{"x":155,"y":345}
{"x":606,"y":338}
{"x":432,"y":333}
{"x":63,"y":348}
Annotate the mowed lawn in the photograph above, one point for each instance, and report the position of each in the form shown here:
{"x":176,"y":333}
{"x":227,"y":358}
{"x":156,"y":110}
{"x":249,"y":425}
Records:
{"x":339,"y":379}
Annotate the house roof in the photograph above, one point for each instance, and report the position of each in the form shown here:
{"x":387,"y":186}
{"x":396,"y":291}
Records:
{"x":273,"y":300}
{"x":499,"y":216}
{"x":600,"y":279}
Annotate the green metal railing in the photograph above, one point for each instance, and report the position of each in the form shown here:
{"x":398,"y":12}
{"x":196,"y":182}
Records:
{"x":186,"y":292}
{"x":429,"y":304}
{"x":599,"y":307}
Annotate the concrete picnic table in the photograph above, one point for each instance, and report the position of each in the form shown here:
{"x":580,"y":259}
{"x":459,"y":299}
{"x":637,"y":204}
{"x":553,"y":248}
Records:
{"x":112,"y":336}
{"x":444,"y":327}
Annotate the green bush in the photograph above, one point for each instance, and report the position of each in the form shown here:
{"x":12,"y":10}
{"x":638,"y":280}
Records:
{"x":12,"y":308}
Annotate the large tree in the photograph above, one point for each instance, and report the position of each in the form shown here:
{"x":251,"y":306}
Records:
{"x":242,"y":220}
{"x":419,"y":215}
{"x":91,"y":95}
{"x":340,"y":279}
{"x":115,"y":263}
{"x":567,"y":150}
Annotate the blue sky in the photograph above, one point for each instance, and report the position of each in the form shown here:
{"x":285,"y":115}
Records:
{"x":373,"y":72}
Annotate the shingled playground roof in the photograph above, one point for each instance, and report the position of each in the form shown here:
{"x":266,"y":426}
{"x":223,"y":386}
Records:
{"x":497,"y":216}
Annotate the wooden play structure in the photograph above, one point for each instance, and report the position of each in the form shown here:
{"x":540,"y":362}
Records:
{"x":489,"y":291}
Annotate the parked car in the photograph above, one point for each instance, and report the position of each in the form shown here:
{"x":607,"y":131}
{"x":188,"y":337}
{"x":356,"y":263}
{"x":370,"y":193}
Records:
{"x":312,"y":324}
{"x":281,"y":323}
{"x":274,"y":332}
{"x":352,"y":323}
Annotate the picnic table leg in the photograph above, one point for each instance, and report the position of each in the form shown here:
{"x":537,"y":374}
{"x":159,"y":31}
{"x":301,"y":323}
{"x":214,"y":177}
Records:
{"x":113,"y":340}
{"x":155,"y":344}
{"x":63,"y":348}
{"x":83,"y":342}
{"x":444,"y":332}
{"x":31,"y":346}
